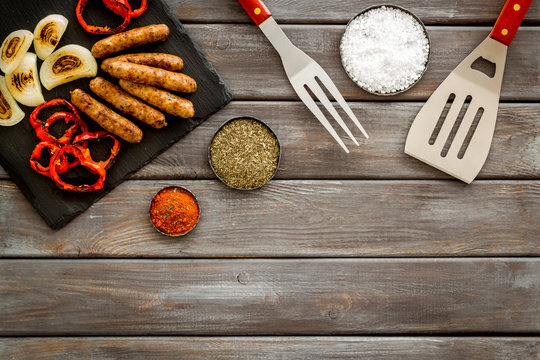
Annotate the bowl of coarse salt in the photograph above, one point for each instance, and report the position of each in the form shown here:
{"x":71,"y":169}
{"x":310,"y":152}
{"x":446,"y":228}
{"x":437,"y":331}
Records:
{"x":385,"y":49}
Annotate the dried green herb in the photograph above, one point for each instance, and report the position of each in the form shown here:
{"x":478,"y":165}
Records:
{"x":244,"y":153}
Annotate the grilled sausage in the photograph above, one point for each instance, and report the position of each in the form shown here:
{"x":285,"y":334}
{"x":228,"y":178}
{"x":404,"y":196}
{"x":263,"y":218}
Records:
{"x":105,"y":117}
{"x":147,"y":75}
{"x":127,"y":103}
{"x":124,"y":40}
{"x":161,"y":99}
{"x":163,"y":61}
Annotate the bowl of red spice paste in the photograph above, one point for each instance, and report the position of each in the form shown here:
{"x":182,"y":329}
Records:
{"x":174,"y":211}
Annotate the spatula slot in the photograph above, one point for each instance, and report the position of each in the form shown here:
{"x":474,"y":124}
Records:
{"x":442,"y":117}
{"x":484,"y":66}
{"x":470,"y":134}
{"x":456,"y":126}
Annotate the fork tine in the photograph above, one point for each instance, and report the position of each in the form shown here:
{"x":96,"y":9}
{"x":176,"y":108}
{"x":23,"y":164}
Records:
{"x":321,"y":96}
{"x":310,"y":103}
{"x":329,"y":84}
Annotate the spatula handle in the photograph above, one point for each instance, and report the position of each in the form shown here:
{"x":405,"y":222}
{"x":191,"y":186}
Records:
{"x":509,"y":20}
{"x":256,"y":10}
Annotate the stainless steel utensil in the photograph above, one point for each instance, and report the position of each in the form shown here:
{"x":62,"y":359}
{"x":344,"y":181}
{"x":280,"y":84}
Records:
{"x":441,"y":141}
{"x":303,"y":72}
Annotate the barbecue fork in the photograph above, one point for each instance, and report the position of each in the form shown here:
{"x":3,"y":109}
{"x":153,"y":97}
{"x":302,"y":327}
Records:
{"x":303,"y":72}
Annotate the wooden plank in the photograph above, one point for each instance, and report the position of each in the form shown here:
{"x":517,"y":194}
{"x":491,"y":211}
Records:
{"x":293,"y":348}
{"x":293,"y":218}
{"x":253,"y":70}
{"x":309,"y":11}
{"x":269,"y":297}
{"x":309,"y":152}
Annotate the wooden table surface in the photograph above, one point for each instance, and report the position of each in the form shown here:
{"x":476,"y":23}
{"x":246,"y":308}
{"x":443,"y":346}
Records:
{"x":372,"y":255}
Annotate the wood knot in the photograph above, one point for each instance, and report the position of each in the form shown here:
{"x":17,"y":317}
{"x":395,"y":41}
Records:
{"x":333,"y":313}
{"x":243,"y":278}
{"x":222,"y":42}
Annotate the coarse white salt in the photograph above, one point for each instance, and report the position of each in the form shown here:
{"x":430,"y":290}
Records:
{"x":384,"y":50}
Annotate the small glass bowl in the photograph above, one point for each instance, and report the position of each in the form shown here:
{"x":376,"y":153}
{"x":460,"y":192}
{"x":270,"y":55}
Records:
{"x":425,"y":33}
{"x":221,"y":127}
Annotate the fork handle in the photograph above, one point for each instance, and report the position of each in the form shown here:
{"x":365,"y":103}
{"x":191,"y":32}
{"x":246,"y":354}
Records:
{"x":256,"y":10}
{"x":509,"y":19}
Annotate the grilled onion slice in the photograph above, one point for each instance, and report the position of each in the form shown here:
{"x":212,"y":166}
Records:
{"x":47,"y":34}
{"x":66,"y":64}
{"x":23,"y":82}
{"x":10,"y":112}
{"x":14,"y":47}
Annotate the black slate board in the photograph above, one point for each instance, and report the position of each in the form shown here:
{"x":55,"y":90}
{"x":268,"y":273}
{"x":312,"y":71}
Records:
{"x":17,"y":142}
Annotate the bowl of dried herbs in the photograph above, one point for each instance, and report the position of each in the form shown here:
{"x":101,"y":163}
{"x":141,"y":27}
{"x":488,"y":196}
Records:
{"x":244,"y":153}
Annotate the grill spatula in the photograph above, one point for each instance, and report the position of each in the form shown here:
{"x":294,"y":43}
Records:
{"x":303,"y":72}
{"x":441,"y":141}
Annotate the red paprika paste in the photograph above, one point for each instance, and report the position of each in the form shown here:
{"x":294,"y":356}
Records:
{"x":174,"y":211}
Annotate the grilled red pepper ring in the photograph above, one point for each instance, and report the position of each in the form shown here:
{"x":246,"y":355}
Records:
{"x":116,"y":6}
{"x":42,"y":132}
{"x":85,"y":137}
{"x":36,"y":122}
{"x":119,"y":7}
{"x":140,"y":10}
{"x":56,"y":167}
{"x":52,"y":148}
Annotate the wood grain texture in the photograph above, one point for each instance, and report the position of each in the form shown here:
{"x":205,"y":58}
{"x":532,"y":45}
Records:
{"x":269,"y":297}
{"x":403,"y":216}
{"x":307,"y":11}
{"x":293,"y":218}
{"x":273,"y":348}
{"x":242,"y":55}
{"x":309,"y":152}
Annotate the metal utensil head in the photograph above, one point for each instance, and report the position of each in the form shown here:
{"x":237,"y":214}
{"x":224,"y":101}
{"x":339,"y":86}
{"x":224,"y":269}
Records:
{"x":451,"y":144}
{"x":305,"y":74}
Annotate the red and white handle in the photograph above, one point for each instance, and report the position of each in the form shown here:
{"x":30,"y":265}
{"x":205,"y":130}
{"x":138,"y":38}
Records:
{"x":509,"y":19}
{"x":256,"y":10}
